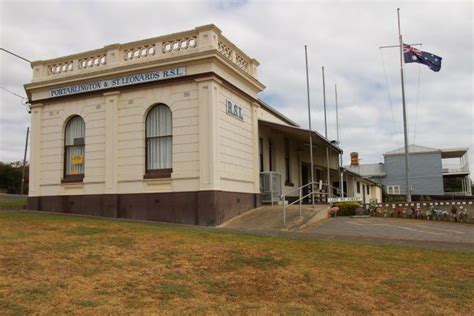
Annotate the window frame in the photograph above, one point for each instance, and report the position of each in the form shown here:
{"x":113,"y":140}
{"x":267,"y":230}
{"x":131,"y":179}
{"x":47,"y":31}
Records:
{"x":163,"y":172}
{"x":70,"y":178}
{"x":396,"y":189}
{"x":393,"y":189}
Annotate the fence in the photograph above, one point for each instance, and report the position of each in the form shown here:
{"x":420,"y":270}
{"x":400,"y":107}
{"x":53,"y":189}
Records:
{"x":454,"y":211}
{"x":270,"y":187}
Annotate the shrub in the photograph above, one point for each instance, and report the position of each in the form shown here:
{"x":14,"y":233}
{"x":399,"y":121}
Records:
{"x":346,"y":208}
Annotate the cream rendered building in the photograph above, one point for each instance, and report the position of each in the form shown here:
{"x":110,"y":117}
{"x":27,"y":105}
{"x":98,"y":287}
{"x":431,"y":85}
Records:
{"x":167,"y":129}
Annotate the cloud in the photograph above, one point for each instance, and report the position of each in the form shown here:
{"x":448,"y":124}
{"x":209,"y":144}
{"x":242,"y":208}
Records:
{"x":343,"y":36}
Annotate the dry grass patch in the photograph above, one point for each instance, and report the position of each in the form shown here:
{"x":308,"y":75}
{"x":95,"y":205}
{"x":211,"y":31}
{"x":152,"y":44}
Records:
{"x":63,"y":264}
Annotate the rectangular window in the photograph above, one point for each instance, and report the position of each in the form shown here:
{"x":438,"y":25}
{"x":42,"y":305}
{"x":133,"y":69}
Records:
{"x":358,"y":186}
{"x":368,"y":189}
{"x":396,"y":189}
{"x":260,"y":150}
{"x":393,"y":189}
{"x":159,"y":152}
{"x":287,"y":162}
{"x":74,"y":159}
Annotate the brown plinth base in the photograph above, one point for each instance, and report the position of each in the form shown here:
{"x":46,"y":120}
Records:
{"x":205,"y":208}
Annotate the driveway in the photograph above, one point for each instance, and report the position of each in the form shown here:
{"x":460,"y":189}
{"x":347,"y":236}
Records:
{"x":396,"y":229}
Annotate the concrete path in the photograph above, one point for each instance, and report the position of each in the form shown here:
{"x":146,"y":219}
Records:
{"x":268,"y":221}
{"x":396,"y":229}
{"x":271,"y":218}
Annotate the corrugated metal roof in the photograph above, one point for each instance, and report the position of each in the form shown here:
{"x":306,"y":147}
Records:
{"x":300,"y":131}
{"x":367,"y":170}
{"x":277,"y":113}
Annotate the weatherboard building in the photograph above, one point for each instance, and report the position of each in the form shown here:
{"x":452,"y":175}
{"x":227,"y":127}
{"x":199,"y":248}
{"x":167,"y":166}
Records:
{"x":168,"y":129}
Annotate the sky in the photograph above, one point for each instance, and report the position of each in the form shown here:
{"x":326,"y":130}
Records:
{"x":342,"y":36}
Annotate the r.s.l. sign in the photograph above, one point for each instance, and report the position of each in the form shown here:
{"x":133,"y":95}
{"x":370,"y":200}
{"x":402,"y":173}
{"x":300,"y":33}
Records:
{"x":118,"y":82}
{"x":234,"y":110}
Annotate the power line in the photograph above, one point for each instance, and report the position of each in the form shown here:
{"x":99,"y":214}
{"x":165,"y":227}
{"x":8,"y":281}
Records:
{"x":13,"y":93}
{"x":24,"y":101}
{"x":12,"y":53}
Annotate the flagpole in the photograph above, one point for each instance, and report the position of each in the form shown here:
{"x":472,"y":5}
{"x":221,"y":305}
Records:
{"x":310,"y":131}
{"x":328,"y":175}
{"x":407,"y":167}
{"x":341,"y":183}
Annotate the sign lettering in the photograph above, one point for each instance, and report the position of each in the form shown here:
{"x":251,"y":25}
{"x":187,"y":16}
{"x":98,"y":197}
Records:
{"x":234,"y":110}
{"x":118,"y":82}
{"x":346,"y":199}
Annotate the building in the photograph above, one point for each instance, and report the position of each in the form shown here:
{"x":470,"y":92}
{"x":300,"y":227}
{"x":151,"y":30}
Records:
{"x":427,"y":174}
{"x":362,"y":188}
{"x":168,"y":129}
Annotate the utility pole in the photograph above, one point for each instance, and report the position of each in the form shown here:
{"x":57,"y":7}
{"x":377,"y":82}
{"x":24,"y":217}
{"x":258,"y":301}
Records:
{"x":328,"y":175}
{"x":407,"y":166}
{"x":24,"y":161}
{"x":341,"y":183}
{"x":310,"y":130}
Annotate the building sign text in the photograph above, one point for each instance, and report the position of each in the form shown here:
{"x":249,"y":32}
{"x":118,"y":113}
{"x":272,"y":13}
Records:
{"x":234,"y":110}
{"x":346,"y":199}
{"x":118,"y":82}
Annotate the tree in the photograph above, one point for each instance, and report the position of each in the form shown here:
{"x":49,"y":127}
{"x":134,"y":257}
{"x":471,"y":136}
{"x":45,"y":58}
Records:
{"x":10,"y":177}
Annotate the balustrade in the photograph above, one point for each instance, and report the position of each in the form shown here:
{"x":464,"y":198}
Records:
{"x":142,"y":51}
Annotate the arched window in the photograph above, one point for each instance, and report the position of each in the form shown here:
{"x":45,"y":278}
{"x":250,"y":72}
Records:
{"x":159,"y":142}
{"x":74,"y":149}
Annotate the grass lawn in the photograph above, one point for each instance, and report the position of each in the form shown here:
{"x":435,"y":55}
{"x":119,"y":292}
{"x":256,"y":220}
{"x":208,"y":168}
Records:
{"x":64,"y":264}
{"x":12,"y":203}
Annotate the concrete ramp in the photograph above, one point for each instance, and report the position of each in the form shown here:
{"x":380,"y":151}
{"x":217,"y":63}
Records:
{"x":271,"y":218}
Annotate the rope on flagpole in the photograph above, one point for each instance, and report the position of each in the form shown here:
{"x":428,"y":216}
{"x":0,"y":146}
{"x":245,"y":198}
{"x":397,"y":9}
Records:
{"x":416,"y":105}
{"x":389,"y":98}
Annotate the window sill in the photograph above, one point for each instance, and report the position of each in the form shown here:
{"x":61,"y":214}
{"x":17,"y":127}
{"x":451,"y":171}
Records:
{"x":76,"y":178}
{"x":158,"y":174}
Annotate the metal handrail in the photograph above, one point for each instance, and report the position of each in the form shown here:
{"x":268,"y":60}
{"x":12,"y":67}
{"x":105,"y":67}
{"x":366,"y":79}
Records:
{"x":301,"y":197}
{"x":291,"y":191}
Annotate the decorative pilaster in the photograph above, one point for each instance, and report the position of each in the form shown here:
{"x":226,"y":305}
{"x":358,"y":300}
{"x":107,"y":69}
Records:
{"x":208,"y":134}
{"x":35,"y":150}
{"x":111,"y":141}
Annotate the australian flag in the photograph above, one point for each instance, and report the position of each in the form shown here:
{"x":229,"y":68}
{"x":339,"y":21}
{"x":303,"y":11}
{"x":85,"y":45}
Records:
{"x":413,"y":55}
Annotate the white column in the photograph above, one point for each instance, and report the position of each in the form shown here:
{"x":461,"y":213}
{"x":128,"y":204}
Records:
{"x":111,"y":141}
{"x":208,"y":134}
{"x":35,"y":150}
{"x":255,"y":147}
